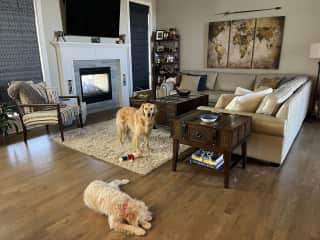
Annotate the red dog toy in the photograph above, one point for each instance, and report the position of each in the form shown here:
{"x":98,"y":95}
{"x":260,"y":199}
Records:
{"x":128,"y":157}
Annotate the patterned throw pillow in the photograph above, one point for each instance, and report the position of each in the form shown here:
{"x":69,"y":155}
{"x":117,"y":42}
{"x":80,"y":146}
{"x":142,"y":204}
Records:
{"x":266,"y":83}
{"x":53,"y":96}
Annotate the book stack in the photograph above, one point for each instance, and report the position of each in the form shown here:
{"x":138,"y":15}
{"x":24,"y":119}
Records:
{"x":207,"y":159}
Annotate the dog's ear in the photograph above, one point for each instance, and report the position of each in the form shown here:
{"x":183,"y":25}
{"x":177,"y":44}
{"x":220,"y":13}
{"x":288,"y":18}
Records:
{"x":141,"y":109}
{"x":155,"y":109}
{"x":132,"y":218}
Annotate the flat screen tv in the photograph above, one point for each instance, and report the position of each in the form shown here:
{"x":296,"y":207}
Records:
{"x":95,"y":18}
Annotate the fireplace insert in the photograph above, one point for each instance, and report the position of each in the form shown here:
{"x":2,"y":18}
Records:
{"x":95,"y":84}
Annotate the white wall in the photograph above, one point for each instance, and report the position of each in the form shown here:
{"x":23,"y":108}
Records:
{"x":49,"y":17}
{"x":191,"y":18}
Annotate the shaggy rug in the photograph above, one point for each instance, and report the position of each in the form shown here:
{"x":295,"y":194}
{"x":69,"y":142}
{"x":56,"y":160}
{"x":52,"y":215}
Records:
{"x":100,"y":140}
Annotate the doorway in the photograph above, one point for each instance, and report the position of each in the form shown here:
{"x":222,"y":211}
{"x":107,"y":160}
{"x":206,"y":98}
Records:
{"x":140,"y":55}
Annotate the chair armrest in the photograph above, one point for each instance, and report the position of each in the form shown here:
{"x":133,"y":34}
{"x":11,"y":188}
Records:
{"x":39,"y":105}
{"x":77,"y":97}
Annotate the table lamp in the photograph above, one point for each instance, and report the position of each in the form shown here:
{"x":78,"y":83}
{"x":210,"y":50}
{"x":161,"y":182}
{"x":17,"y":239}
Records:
{"x":315,"y":54}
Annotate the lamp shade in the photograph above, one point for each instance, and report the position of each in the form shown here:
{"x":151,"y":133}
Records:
{"x":315,"y":50}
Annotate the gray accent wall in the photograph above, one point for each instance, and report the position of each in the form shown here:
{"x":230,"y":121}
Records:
{"x":191,"y":18}
{"x":19,"y":52}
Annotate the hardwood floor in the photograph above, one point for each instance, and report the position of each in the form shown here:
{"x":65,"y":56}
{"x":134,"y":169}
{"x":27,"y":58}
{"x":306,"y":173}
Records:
{"x":42,"y":183}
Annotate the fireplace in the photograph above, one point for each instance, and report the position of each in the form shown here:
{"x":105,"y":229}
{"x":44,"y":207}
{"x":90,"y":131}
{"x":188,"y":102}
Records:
{"x":95,"y":84}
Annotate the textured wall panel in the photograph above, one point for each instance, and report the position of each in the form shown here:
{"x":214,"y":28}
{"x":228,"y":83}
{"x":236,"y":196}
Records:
{"x":19,"y":53}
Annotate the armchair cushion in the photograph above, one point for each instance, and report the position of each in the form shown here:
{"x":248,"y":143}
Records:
{"x":68,"y":113}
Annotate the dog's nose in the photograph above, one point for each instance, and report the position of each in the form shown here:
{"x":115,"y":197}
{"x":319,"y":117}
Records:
{"x":149,"y":114}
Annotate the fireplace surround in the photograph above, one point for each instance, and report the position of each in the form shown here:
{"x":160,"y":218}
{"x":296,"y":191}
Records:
{"x":74,"y":56}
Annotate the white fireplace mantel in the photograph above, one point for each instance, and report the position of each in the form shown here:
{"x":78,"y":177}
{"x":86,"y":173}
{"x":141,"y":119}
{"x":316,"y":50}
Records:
{"x":68,"y":52}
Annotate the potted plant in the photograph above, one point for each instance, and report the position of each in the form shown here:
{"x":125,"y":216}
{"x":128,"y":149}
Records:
{"x":7,"y":121}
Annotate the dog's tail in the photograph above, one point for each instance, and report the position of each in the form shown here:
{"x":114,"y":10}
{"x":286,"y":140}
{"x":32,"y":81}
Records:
{"x":117,"y":182}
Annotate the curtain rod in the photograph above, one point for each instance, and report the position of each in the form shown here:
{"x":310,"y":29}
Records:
{"x":247,"y":11}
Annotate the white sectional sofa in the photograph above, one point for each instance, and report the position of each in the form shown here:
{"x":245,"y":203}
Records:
{"x":272,"y":135}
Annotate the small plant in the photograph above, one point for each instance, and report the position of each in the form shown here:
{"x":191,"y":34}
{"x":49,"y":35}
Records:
{"x":7,"y":122}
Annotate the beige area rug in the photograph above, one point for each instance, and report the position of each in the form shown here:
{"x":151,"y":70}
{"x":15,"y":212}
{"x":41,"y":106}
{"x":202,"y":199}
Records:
{"x":100,"y":140}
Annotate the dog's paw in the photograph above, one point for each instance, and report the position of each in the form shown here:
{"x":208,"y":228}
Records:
{"x":125,"y":181}
{"x":147,"y":225}
{"x":140,"y":232}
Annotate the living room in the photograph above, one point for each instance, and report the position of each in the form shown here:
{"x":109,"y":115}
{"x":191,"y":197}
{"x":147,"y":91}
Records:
{"x":207,"y":112}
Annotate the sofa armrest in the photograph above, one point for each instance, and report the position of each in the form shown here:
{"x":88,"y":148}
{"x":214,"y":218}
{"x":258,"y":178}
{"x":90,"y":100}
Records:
{"x":297,"y":104}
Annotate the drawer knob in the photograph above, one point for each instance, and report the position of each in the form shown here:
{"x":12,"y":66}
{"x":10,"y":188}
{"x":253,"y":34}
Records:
{"x":198,"y":135}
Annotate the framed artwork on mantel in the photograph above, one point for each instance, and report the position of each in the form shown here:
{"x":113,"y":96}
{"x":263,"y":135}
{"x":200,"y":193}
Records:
{"x":246,"y":43}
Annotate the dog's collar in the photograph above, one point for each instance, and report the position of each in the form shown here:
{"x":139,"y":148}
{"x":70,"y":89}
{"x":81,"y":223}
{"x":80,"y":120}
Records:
{"x":125,"y":207}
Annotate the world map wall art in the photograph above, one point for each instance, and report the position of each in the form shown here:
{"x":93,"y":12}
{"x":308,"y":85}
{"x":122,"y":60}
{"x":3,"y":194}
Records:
{"x":247,"y":43}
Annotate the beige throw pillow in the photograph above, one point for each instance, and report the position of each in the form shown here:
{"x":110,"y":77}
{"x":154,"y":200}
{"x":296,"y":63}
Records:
{"x":248,"y":102}
{"x":189,"y":82}
{"x":224,"y":100}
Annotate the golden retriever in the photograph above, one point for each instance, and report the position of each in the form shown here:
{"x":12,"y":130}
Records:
{"x":140,"y":121}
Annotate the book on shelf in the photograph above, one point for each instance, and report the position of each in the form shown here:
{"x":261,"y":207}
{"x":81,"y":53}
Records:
{"x":207,"y":159}
{"x":216,"y":167}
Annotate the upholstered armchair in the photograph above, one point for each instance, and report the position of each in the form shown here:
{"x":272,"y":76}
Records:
{"x":39,"y":105}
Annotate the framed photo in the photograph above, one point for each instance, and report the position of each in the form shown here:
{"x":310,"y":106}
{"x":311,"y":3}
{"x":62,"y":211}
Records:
{"x":159,"y":35}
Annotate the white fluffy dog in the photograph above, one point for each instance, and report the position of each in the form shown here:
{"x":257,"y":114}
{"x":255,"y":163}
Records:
{"x":125,"y":214}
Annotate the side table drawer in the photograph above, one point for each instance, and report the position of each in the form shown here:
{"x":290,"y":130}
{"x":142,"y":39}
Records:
{"x":201,"y":134}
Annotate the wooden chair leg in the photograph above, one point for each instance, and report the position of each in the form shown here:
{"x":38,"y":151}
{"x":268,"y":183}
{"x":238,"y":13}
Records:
{"x":80,"y":120}
{"x":61,"y":131}
{"x":60,"y":123}
{"x":25,"y":134}
{"x":47,"y":129}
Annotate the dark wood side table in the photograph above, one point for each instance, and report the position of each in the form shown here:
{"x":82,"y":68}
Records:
{"x":223,"y":136}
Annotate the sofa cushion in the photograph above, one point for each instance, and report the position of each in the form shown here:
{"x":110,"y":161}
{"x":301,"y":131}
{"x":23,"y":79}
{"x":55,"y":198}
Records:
{"x":211,"y":80}
{"x":189,"y":82}
{"x":248,"y":102}
{"x":261,"y":124}
{"x":230,"y":81}
{"x":271,"y":103}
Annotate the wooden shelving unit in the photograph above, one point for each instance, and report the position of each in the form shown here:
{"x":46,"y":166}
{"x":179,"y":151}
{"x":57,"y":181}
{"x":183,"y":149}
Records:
{"x":165,"y":60}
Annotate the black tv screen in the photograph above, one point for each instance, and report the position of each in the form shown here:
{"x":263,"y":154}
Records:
{"x":95,"y":18}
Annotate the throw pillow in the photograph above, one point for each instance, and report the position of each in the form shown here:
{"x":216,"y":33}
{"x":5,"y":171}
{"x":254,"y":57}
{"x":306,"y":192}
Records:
{"x":267,"y":83}
{"x":189,"y":82}
{"x":26,"y":93}
{"x":242,"y":91}
{"x":248,"y":102}
{"x":53,"y":96}
{"x":224,"y":100}
{"x":202,"y":86}
{"x":271,"y":104}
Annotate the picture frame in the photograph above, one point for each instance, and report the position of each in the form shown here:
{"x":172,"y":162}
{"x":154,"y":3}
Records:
{"x":159,"y":35}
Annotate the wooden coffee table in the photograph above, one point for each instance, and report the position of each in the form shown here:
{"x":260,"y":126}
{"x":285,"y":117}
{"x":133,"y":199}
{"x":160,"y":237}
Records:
{"x":170,"y":107}
{"x":223,"y":136}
